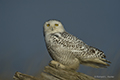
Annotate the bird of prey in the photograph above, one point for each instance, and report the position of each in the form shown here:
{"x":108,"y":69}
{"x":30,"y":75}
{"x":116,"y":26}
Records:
{"x":70,"y":51}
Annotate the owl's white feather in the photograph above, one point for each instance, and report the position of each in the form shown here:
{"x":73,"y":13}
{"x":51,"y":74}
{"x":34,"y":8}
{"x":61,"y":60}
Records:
{"x":68,"y":49}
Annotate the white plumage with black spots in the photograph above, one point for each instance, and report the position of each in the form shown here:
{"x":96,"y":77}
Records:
{"x":69,"y":50}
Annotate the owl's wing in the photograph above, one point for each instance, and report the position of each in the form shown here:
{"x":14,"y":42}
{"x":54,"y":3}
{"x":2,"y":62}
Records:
{"x":88,"y":55}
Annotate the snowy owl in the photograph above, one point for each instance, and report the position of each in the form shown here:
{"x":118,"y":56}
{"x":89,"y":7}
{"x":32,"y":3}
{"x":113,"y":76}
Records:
{"x":70,"y":51}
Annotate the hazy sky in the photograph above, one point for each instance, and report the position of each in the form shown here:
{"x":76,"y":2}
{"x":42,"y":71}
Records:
{"x":22,"y":46}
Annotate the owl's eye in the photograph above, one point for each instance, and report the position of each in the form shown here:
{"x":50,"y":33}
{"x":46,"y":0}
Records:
{"x":48,"y":25}
{"x":56,"y":24}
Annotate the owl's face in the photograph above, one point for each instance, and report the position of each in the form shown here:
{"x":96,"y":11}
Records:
{"x":53,"y":26}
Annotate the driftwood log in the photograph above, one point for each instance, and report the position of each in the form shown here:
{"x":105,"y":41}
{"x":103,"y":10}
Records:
{"x":52,"y":73}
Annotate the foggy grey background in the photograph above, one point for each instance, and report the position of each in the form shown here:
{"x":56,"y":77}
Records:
{"x":22,"y":46}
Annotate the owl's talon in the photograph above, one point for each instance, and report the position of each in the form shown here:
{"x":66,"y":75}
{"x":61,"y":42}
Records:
{"x":56,"y":64}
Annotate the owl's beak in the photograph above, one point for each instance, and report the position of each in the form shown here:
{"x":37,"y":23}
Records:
{"x":52,"y":28}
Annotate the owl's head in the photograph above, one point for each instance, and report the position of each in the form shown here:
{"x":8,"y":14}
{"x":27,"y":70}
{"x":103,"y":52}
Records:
{"x":53,"y":26}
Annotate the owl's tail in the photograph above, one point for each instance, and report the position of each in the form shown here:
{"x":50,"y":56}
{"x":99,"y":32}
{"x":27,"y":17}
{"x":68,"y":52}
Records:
{"x":96,"y":63}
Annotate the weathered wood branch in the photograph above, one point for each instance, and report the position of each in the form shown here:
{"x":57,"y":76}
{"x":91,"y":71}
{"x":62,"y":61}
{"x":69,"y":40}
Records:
{"x":53,"y":73}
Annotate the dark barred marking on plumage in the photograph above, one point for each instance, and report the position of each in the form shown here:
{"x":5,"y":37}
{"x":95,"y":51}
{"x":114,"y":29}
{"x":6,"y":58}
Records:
{"x":99,"y":52}
{"x":69,"y":41}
